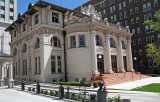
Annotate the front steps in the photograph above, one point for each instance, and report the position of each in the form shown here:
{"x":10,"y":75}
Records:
{"x":117,"y":78}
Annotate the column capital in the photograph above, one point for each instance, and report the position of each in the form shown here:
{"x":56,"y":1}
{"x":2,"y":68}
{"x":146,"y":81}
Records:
{"x":129,"y":41}
{"x":93,"y":33}
{"x":108,"y":36}
{"x":120,"y":38}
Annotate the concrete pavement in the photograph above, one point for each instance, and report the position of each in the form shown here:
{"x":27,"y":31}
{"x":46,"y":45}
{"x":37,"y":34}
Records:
{"x":134,"y":84}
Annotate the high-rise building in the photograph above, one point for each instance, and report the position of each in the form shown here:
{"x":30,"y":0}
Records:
{"x":8,"y":14}
{"x":133,"y":13}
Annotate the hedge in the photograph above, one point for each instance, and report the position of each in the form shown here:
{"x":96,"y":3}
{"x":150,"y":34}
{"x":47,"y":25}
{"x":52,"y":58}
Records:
{"x":87,"y":84}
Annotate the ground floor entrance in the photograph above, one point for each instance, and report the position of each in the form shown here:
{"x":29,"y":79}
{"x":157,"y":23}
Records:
{"x":100,"y":63}
{"x":114,"y":63}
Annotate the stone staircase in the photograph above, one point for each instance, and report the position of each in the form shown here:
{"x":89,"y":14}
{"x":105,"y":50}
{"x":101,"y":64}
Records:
{"x":117,"y":78}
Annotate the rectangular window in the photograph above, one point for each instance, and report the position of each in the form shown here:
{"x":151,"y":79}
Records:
{"x":59,"y":64}
{"x":125,"y":14}
{"x":2,"y":16}
{"x":135,"y":52}
{"x":155,"y":2}
{"x":134,"y":42}
{"x":147,"y":29}
{"x":73,"y":41}
{"x":24,"y":67}
{"x":24,"y":27}
{"x":114,"y":8}
{"x":3,"y":0}
{"x":121,"y":24}
{"x":120,"y":7}
{"x":120,"y":16}
{"x":147,"y":40}
{"x":53,"y":64}
{"x":141,"y":62}
{"x":2,"y":8}
{"x":140,"y":52}
{"x":150,"y":62}
{"x":149,"y":6}
{"x":132,"y":21}
{"x":124,"y":4}
{"x":152,"y":39}
{"x":130,"y":1}
{"x":82,"y":41}
{"x":11,"y":9}
{"x":115,"y":19}
{"x":150,"y":16}
{"x":136,"y":9}
{"x":55,"y":17}
{"x":139,"y":41}
{"x":111,"y":11}
{"x":36,"y":19}
{"x":112,"y":19}
{"x":11,"y":17}
{"x":131,"y":11}
{"x":137,"y":19}
{"x":154,"y":63}
{"x":133,"y":31}
{"x":138,"y":30}
{"x":144,"y":7}
{"x":39,"y":62}
{"x":11,"y":1}
{"x":135,"y":1}
{"x":104,"y":11}
{"x":126,"y":23}
{"x":145,"y":17}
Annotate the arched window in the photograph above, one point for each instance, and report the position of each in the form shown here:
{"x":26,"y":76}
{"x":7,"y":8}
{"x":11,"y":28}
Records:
{"x":24,"y":49}
{"x":123,"y":45}
{"x":37,"y":43}
{"x":55,"y":42}
{"x":112,"y":44}
{"x":98,"y":40}
{"x":14,"y":51}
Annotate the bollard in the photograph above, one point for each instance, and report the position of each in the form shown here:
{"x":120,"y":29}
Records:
{"x":23,"y":85}
{"x":61,"y":91}
{"x":101,"y":94}
{"x":38,"y":88}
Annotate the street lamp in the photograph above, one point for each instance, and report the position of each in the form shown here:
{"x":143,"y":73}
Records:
{"x":135,"y":58}
{"x":100,"y":66}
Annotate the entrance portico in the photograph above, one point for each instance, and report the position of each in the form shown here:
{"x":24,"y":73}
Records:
{"x":5,"y":58}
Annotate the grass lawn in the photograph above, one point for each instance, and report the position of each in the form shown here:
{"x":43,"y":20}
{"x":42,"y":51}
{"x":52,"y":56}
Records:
{"x":148,"y":88}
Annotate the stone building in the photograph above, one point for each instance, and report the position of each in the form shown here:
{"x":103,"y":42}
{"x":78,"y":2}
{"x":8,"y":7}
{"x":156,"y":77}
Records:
{"x":52,"y":43}
{"x":133,"y":13}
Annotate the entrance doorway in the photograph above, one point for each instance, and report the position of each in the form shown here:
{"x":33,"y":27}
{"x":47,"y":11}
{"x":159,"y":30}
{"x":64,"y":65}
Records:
{"x":114,"y":63}
{"x":100,"y":63}
{"x":125,"y":63}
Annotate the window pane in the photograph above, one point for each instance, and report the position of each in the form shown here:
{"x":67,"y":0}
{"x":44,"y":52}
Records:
{"x":82,"y":40}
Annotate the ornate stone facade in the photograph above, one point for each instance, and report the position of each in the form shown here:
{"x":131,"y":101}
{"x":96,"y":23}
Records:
{"x":57,"y":44}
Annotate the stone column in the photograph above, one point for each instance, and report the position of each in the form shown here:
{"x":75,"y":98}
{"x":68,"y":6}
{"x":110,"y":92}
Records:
{"x":94,"y":54}
{"x":129,"y":57}
{"x":120,"y":55}
{"x":10,"y":80}
{"x":2,"y":76}
{"x":107,"y":56}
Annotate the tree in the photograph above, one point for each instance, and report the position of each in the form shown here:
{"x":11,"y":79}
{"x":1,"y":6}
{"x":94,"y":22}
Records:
{"x":153,"y":50}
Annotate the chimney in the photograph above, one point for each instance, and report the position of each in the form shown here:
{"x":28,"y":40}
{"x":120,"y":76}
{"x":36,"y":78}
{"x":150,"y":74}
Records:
{"x":2,"y":43}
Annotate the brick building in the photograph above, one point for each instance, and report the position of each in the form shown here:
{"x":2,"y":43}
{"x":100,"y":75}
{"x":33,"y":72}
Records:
{"x":132,"y":13}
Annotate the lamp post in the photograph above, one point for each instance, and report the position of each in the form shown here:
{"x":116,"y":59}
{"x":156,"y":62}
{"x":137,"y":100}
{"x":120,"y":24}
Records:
{"x":135,"y":58}
{"x":100,"y":66}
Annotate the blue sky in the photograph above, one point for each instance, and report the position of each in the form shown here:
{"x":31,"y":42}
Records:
{"x":22,"y":5}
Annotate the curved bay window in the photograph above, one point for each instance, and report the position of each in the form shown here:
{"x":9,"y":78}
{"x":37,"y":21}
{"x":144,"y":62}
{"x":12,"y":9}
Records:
{"x":24,"y":49}
{"x":14,"y":51}
{"x":37,"y":43}
{"x":98,"y":40}
{"x":123,"y":45}
{"x":55,"y":42}
{"x":112,"y":44}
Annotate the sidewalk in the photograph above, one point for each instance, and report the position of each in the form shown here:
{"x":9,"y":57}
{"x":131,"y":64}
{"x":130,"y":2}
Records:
{"x":134,"y":84}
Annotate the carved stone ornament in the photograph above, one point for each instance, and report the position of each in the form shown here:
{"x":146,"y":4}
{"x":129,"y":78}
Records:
{"x":90,"y":10}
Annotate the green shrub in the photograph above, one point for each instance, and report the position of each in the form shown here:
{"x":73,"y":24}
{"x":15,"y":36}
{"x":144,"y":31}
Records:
{"x":93,"y":97}
{"x":56,"y":93}
{"x":95,"y":84}
{"x":33,"y":89}
{"x":87,"y":84}
{"x":42,"y":91}
{"x":67,"y":95}
{"x":29,"y":88}
{"x":51,"y":93}
{"x":152,"y":75}
{"x":72,"y":96}
{"x":46,"y":92}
